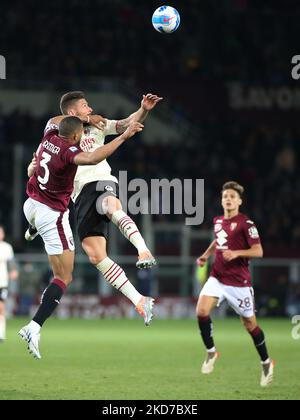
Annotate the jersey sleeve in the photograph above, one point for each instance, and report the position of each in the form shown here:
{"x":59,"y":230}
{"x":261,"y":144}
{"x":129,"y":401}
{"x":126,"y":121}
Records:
{"x":70,"y":154}
{"x":50,"y":126}
{"x":251,"y":233}
{"x":110,"y":128}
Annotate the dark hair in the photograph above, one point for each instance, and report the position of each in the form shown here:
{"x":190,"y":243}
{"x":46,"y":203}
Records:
{"x":232,"y":185}
{"x":68,"y":99}
{"x":69,"y":126}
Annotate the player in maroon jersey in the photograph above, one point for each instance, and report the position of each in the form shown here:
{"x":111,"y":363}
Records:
{"x":49,"y":190}
{"x":236,"y":241}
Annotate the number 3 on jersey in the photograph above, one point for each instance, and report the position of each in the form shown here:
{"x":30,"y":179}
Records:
{"x":44,"y":163}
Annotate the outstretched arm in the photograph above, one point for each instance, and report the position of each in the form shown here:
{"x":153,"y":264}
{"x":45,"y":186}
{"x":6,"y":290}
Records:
{"x":149,"y":101}
{"x":86,"y":158}
{"x":95,"y":120}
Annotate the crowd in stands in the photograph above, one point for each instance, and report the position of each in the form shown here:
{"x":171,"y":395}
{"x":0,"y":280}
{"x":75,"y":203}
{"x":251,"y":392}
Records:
{"x":232,"y":40}
{"x":218,"y":40}
{"x":262,"y":158}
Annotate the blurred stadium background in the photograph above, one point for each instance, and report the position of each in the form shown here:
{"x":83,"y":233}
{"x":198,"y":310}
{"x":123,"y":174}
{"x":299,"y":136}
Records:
{"x":230,"y":112}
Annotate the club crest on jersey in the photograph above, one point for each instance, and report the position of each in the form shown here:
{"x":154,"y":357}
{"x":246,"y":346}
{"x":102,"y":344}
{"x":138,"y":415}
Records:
{"x":233,"y":226}
{"x":218,"y":227}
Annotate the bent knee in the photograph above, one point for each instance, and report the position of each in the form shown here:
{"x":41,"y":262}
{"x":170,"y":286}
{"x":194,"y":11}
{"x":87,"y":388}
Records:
{"x":249,"y":325}
{"x":110,"y":205}
{"x":96,"y":259}
{"x":202,"y":312}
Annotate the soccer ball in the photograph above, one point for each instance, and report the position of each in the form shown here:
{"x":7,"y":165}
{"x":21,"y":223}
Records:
{"x":166,"y":19}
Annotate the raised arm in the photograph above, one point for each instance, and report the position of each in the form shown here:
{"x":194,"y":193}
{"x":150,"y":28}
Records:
{"x":204,"y":257}
{"x":105,"y":151}
{"x":95,"y":120}
{"x":149,"y":101}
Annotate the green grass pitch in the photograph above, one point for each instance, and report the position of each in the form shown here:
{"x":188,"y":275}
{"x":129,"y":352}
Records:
{"x":122,"y":359}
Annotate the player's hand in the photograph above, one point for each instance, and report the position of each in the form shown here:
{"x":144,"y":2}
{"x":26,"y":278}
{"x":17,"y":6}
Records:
{"x":149,"y":101}
{"x":97,"y":121}
{"x":230,"y":255}
{"x":134,"y":128}
{"x":34,"y":161}
{"x":201,"y":261}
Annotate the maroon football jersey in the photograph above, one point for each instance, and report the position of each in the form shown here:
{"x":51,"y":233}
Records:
{"x":52,"y":182}
{"x":238,"y":232}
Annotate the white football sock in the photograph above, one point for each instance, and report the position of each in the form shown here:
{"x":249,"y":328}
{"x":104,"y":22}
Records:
{"x":129,"y":229}
{"x":2,"y":327}
{"x":115,"y":276}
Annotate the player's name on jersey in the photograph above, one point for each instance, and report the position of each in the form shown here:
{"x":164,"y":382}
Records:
{"x":49,"y":146}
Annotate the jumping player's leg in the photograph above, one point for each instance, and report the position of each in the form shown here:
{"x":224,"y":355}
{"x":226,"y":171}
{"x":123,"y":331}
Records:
{"x":62,"y":267}
{"x":55,"y":230}
{"x":112,"y":208}
{"x":258,"y":337}
{"x":95,"y":248}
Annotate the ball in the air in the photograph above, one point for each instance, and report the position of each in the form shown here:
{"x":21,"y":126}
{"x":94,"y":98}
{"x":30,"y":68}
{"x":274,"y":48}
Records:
{"x":166,"y":19}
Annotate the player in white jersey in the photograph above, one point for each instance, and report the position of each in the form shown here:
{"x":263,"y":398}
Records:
{"x":94,"y":182}
{"x":7,"y":272}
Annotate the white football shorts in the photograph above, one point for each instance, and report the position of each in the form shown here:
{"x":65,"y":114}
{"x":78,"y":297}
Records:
{"x":53,"y":226}
{"x":241,"y":299}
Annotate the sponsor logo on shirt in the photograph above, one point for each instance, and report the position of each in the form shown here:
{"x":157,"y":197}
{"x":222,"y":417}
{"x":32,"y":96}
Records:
{"x":221,"y":238}
{"x":87,"y":144}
